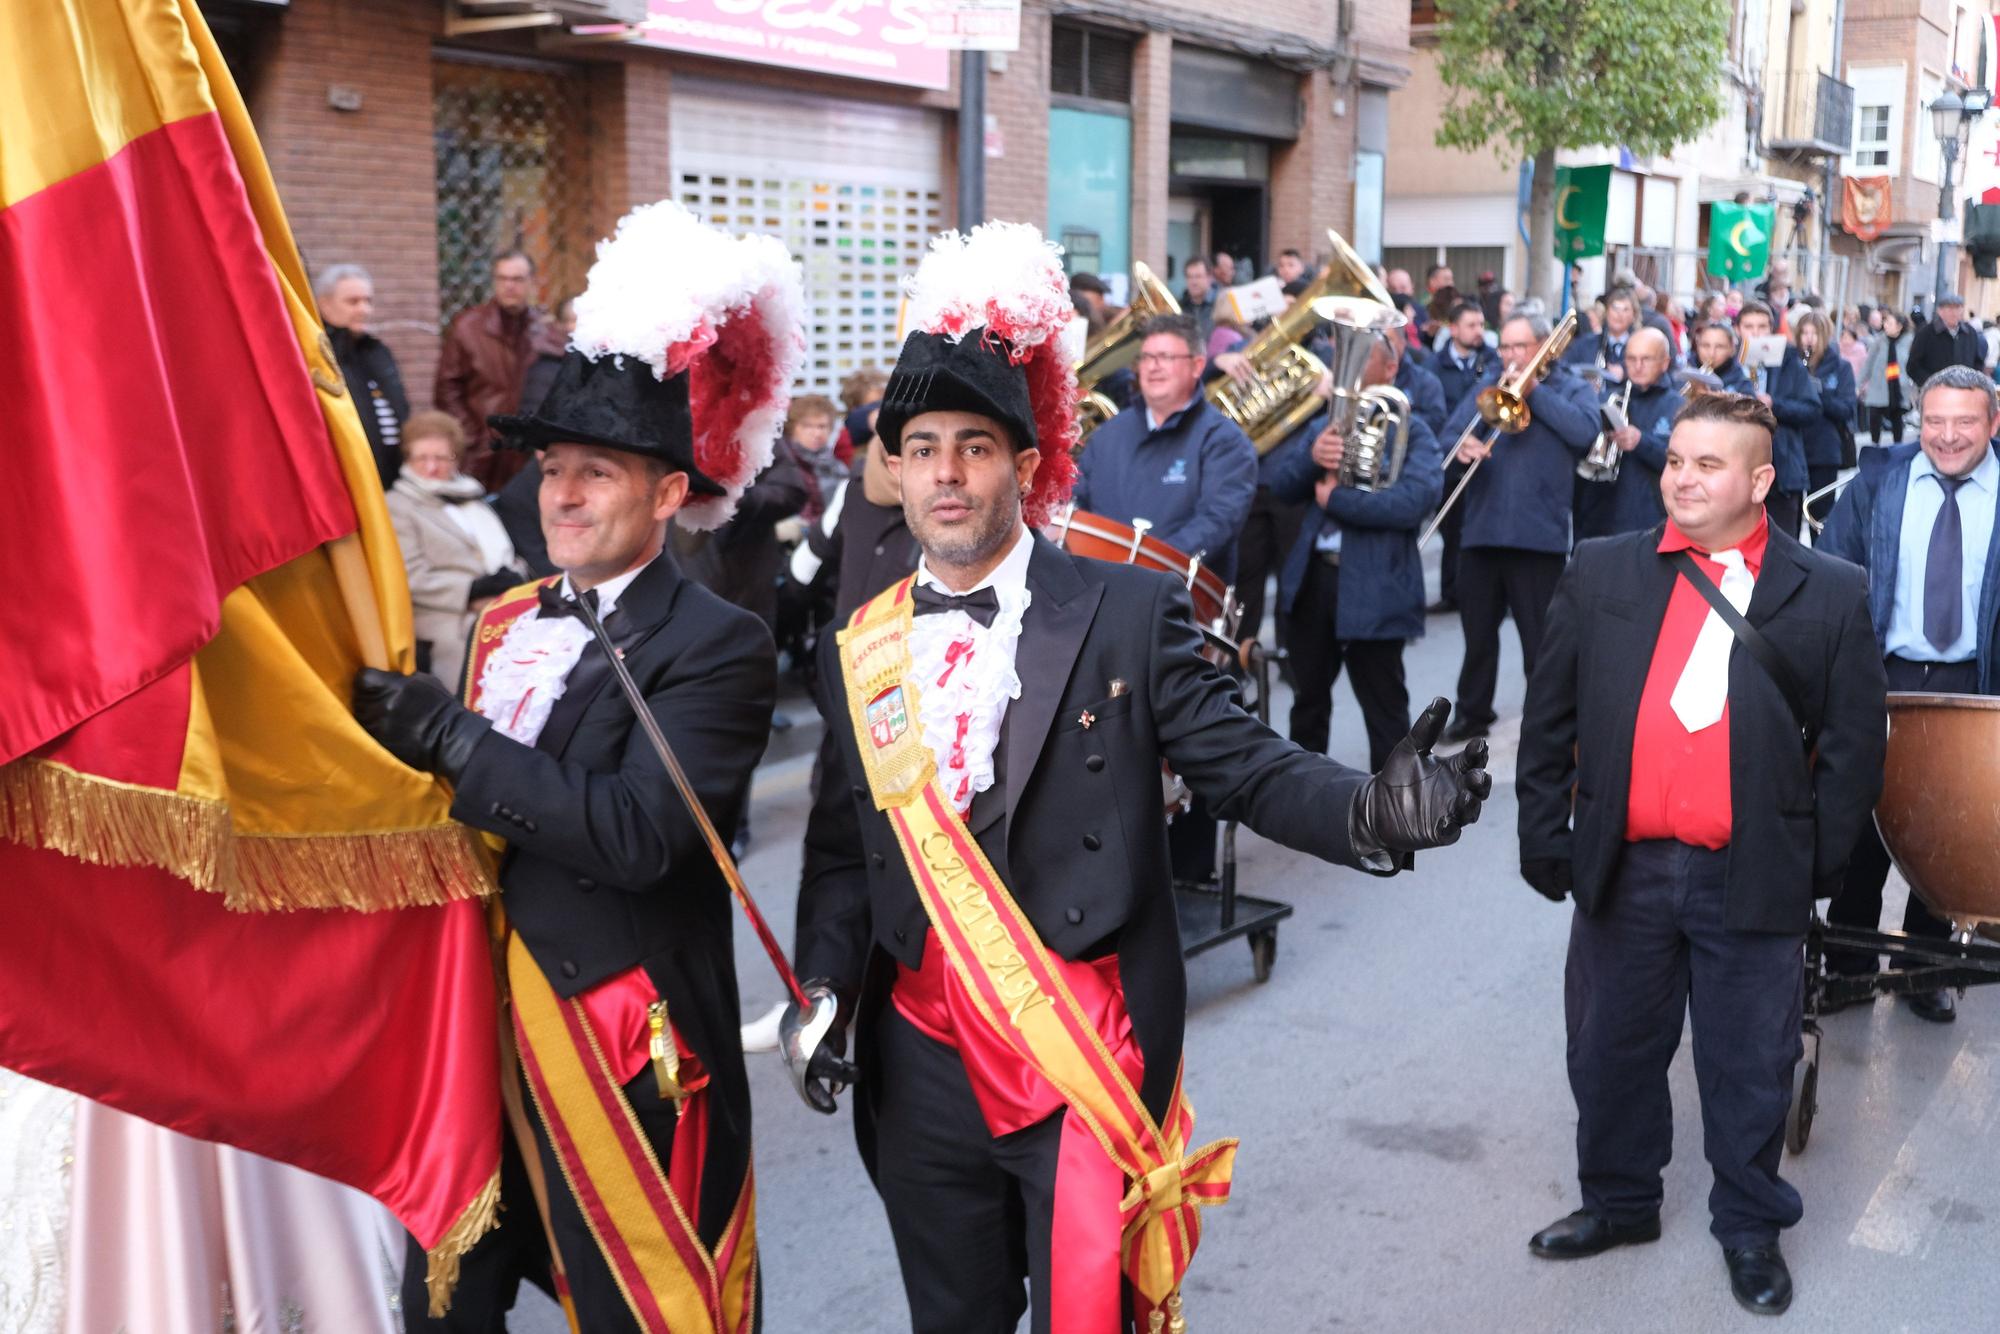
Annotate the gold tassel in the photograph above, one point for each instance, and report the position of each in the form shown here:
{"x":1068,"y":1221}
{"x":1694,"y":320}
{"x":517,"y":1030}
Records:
{"x":108,"y":823}
{"x":441,"y":1260}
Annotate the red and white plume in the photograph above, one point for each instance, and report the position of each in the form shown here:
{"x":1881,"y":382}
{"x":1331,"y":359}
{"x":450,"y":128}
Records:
{"x":681,"y":295}
{"x":1007,"y":280}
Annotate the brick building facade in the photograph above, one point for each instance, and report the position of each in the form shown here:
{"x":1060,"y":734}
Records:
{"x":410,"y":141}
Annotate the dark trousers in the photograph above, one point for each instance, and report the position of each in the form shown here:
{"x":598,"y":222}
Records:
{"x":492,"y":1272}
{"x":1656,"y":952}
{"x":1268,"y":536}
{"x":1859,"y":903}
{"x":971,"y":1215}
{"x":1818,"y":476}
{"x":1493,"y":582}
{"x":1783,"y":509}
{"x":1451,"y":529}
{"x":1374,"y":666}
{"x":1890,"y":417}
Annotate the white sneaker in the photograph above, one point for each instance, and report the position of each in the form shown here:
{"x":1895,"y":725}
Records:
{"x":761,"y":1034}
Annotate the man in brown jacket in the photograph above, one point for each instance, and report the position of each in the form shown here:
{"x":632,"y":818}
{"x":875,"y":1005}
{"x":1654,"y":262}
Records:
{"x":487,"y":350}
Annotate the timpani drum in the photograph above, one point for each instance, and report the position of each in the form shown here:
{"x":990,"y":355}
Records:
{"x":1215,"y":611}
{"x":1938,"y":813}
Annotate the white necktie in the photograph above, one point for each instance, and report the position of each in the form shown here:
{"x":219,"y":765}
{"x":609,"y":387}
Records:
{"x":1703,"y":689}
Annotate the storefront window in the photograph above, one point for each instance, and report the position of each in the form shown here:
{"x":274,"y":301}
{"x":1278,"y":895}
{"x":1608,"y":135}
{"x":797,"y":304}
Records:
{"x":1090,"y":188}
{"x":1368,"y":206}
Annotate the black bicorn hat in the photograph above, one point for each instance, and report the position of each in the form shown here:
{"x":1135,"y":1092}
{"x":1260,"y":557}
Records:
{"x":937,"y":373}
{"x":619,"y":403}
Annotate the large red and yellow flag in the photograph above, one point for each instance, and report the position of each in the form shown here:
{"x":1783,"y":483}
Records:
{"x":222,"y":906}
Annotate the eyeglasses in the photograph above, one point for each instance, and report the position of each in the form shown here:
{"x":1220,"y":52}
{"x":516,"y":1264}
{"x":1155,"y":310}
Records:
{"x":1163,"y":358}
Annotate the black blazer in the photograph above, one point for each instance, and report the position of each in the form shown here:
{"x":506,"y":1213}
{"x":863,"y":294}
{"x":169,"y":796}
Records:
{"x":605,"y":868}
{"x":1793,"y":819}
{"x":1074,"y":822}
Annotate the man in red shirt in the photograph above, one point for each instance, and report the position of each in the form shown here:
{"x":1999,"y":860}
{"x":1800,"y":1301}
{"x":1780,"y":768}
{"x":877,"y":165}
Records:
{"x":1695,"y":808}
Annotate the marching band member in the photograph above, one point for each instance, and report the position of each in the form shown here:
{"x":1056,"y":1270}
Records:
{"x":1828,"y":435}
{"x":1172,"y":458}
{"x":986,"y":884}
{"x":1604,"y":351}
{"x":1460,"y":368}
{"x":1648,"y":400}
{"x":1517,"y":517}
{"x":1921,"y":524}
{"x":1715,"y":348}
{"x":617,"y":920}
{"x":1695,"y":806}
{"x":1353,"y":584}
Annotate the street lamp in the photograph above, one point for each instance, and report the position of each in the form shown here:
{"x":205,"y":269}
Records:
{"x":1952,"y":118}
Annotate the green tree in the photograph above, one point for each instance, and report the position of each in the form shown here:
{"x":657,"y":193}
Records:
{"x":1544,"y":75}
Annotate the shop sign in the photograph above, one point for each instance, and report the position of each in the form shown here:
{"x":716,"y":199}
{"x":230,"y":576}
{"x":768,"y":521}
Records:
{"x":888,"y":41}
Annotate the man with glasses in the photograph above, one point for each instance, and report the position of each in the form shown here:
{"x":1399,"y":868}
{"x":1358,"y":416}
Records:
{"x":1172,"y":459}
{"x":1921,"y":523}
{"x":1647,"y":403}
{"x":1517,"y":517}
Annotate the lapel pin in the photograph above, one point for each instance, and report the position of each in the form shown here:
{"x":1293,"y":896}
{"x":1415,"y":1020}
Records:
{"x":1086,"y":718}
{"x":1118,"y":686}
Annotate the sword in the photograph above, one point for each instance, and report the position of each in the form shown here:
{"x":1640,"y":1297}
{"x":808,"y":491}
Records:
{"x":811,"y":1014}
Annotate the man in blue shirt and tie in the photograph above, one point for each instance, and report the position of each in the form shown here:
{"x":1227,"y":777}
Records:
{"x":1921,"y":523}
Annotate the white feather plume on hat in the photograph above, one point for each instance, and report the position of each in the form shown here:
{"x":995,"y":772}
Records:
{"x":680,"y":295}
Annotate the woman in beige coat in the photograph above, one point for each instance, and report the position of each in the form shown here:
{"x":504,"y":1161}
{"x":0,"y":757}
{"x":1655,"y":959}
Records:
{"x":454,"y":547}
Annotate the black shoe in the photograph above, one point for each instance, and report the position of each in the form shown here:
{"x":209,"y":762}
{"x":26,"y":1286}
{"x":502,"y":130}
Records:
{"x":1585,"y":1233}
{"x":1463,"y":730}
{"x":1759,"y":1279}
{"x":1936,"y":1006}
{"x":1442,"y":607}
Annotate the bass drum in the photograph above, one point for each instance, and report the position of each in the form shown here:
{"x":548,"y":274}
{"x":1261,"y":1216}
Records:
{"x":1098,"y":538}
{"x":1937,"y":809}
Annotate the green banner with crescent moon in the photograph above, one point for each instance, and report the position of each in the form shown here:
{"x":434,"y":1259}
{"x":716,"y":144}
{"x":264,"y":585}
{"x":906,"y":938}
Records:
{"x":1583,"y":194}
{"x":1739,"y":240}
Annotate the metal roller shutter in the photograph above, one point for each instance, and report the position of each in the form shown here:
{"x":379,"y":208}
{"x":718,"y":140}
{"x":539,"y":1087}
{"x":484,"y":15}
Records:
{"x":854,"y":189}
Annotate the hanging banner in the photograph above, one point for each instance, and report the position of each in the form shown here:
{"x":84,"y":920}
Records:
{"x":1739,"y":240}
{"x":1864,"y":206}
{"x":1583,"y":196}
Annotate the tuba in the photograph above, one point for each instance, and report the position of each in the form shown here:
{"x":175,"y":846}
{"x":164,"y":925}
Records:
{"x":1116,"y":346}
{"x":1375,"y":419}
{"x":1279,"y":398}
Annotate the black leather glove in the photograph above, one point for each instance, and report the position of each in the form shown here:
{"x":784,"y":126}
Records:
{"x":418,"y":721}
{"x":1420,"y":801}
{"x":491,"y":585}
{"x":1548,"y":876}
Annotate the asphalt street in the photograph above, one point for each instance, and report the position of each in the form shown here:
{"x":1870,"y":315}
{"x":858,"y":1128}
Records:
{"x":1406,"y":1124}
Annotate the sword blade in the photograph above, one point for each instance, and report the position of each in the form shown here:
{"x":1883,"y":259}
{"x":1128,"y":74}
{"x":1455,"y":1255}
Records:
{"x":717,"y":848}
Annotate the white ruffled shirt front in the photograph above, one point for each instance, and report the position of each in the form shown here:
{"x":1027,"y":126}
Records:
{"x":527,"y":674}
{"x":965,"y":675}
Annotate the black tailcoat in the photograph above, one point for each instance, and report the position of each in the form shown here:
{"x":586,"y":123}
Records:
{"x":1074,"y":822}
{"x":605,"y":868}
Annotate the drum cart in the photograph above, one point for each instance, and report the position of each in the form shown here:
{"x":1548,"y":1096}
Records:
{"x":1214,"y":912}
{"x":1941,"y":747}
{"x":1920,"y":964}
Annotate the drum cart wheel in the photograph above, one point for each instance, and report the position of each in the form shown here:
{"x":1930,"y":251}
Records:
{"x":1805,"y":1093}
{"x":1263,"y":953}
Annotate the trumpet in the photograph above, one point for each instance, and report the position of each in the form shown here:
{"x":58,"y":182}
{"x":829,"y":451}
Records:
{"x":1503,"y":410}
{"x":1600,"y":464}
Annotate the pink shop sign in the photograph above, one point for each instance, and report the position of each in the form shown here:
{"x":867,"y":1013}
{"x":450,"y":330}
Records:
{"x":883,"y":40}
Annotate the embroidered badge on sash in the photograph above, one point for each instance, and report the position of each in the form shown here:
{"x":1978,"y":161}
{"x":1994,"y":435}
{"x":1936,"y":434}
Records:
{"x":888,"y":717}
{"x":875,"y":666}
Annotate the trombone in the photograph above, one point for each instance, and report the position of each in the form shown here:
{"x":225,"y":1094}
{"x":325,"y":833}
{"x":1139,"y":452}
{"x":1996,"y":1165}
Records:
{"x":1830,"y":489}
{"x":1503,"y":410}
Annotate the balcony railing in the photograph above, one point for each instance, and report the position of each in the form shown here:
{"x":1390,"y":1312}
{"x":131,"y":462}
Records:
{"x":1814,"y":116}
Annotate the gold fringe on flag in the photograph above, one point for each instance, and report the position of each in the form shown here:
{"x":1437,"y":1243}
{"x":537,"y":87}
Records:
{"x":100,"y":820}
{"x":441,"y":1260}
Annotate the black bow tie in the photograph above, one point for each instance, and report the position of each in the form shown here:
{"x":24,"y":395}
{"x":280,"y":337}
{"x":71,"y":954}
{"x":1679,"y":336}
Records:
{"x":981,"y":604}
{"x":555,"y":605}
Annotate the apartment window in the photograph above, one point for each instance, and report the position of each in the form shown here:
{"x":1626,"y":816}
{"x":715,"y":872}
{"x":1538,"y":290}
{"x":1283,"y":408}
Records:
{"x":1090,"y":63}
{"x":1871,"y":139}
